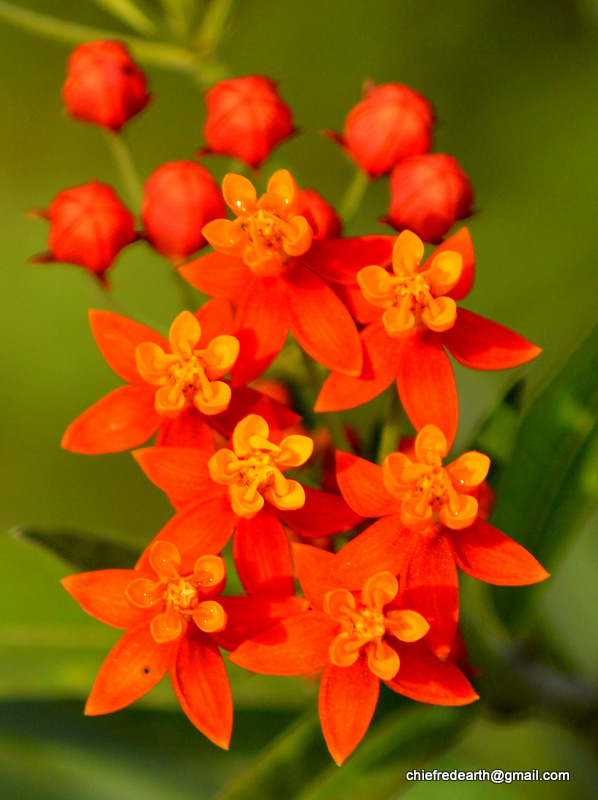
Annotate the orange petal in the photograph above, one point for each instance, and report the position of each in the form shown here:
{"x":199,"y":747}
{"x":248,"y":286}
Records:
{"x":379,"y":590}
{"x":461,"y":243}
{"x":210,"y":572}
{"x":338,"y":603}
{"x":362,"y":486}
{"x":295,"y":451}
{"x":406,"y":625}
{"x":250,"y":434}
{"x":226,"y":237}
{"x":348,"y":697}
{"x":383,"y":661}
{"x":287,"y":495}
{"x":459,"y":512}
{"x":469,"y":470}
{"x":118,"y":338}
{"x":344,"y":649}
{"x":377,"y":286}
{"x":184,"y":333}
{"x":294,"y":646}
{"x":164,"y":559}
{"x":102,"y":593}
{"x":431,"y":445}
{"x":221,"y":354}
{"x":283,"y":185}
{"x":123,"y":419}
{"x":239,"y":194}
{"x":209,"y":616}
{"x":132,"y":668}
{"x":444,"y":271}
{"x":201,"y":685}
{"x":302,"y":237}
{"x":220,"y":395}
{"x":168,"y":626}
{"x":440,"y":315}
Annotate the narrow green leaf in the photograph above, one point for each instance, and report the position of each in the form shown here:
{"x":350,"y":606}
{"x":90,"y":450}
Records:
{"x":549,"y":487}
{"x":163,"y":54}
{"x":299,"y":767}
{"x":130,"y":14}
{"x":84,"y":550}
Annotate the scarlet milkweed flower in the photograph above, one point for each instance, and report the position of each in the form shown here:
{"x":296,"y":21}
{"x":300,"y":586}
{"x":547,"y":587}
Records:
{"x":89,"y":226}
{"x":389,"y":124}
{"x":170,"y":613}
{"x":172,"y":384}
{"x":246,"y":119}
{"x":179,"y":198}
{"x":104,"y":86}
{"x":419,"y":320}
{"x":428,"y":194}
{"x":268,"y":265}
{"x":359,"y":638}
{"x":242,"y":489}
{"x":429,"y":525}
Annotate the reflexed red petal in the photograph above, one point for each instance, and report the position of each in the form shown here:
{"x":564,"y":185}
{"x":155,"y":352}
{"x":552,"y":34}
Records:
{"x":352,"y":297}
{"x":339,"y":260}
{"x":426,"y":384}
{"x":181,"y":472}
{"x":348,"y":697}
{"x":215,"y":319}
{"x":133,"y":667}
{"x":248,"y":616}
{"x":118,"y":338}
{"x":429,"y":585}
{"x":189,"y":429}
{"x":489,"y":555}
{"x":201,"y":528}
{"x":246,"y":400}
{"x":459,"y":242}
{"x":383,"y":546}
{"x":263,"y":555}
{"x":261,"y":328}
{"x":123,"y":419}
{"x":479,"y":343}
{"x":294,"y":646}
{"x":218,"y":275}
{"x":201,"y":685}
{"x":426,"y":678}
{"x":323,"y":514}
{"x":102,"y":594}
{"x":381,"y":359}
{"x":320,"y":322}
{"x":310,"y":562}
{"x":360,"y":481}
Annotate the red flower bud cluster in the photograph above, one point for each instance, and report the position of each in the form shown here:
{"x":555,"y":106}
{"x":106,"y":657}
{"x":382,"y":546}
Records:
{"x":104,"y":86}
{"x":390,"y":131}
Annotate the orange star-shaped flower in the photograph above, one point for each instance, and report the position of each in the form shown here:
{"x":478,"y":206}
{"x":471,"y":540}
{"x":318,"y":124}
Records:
{"x":359,"y":638}
{"x":269,"y":266}
{"x":412,"y":318}
{"x":429,"y":525}
{"x":243,"y":490}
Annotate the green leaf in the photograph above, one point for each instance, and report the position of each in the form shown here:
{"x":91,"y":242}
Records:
{"x":85,"y":551}
{"x":163,"y":54}
{"x":299,"y":767}
{"x":130,"y":14}
{"x":550,"y":485}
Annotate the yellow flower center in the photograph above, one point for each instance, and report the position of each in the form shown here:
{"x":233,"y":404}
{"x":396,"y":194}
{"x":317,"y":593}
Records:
{"x":252,"y":470}
{"x":179,"y":599}
{"x":188,"y":375}
{"x":365,"y":624}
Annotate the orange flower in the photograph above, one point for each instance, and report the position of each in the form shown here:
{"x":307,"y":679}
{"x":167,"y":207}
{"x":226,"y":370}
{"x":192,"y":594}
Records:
{"x":172,"y":385}
{"x":419,"y":319}
{"x":170,"y":613}
{"x":269,"y":266}
{"x":359,"y":638}
{"x":243,"y":490}
{"x":429,"y":525}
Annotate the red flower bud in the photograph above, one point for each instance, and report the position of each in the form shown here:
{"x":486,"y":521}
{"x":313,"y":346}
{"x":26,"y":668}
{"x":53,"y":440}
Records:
{"x":89,"y":226}
{"x":428,"y":194}
{"x":104,"y":86}
{"x":246,"y":119}
{"x":179,"y":198}
{"x":322,"y":217}
{"x":389,"y":124}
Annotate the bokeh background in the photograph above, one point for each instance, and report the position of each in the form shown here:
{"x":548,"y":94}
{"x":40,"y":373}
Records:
{"x":515,"y":87}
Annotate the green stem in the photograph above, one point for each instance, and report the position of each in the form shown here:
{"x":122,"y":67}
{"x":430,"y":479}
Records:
{"x":393,"y":426}
{"x":353,"y":196}
{"x":162,"y":54}
{"x":126,"y":166}
{"x":130,"y":14}
{"x":212,"y":27}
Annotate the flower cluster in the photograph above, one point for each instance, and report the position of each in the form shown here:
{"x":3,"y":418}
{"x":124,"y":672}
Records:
{"x":383,"y":606}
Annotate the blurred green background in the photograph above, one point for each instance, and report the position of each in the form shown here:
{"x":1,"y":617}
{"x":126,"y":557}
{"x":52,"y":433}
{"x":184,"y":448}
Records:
{"x":515,"y":87}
